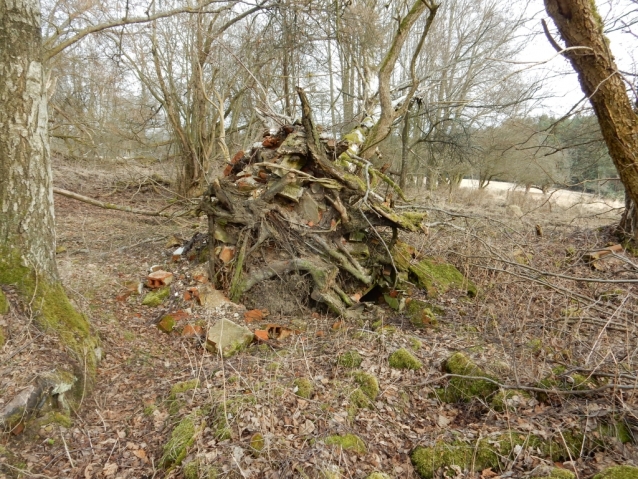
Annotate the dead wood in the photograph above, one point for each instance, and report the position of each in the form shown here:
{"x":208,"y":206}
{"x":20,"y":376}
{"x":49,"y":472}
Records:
{"x":110,"y":206}
{"x":299,"y":203}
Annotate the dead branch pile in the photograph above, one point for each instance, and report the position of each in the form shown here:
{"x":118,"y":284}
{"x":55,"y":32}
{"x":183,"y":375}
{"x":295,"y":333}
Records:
{"x":299,"y":203}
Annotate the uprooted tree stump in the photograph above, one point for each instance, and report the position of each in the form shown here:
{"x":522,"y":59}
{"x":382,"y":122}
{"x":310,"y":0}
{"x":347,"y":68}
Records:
{"x":300,"y":204}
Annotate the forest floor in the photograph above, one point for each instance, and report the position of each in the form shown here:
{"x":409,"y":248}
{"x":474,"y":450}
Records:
{"x":276,"y":409}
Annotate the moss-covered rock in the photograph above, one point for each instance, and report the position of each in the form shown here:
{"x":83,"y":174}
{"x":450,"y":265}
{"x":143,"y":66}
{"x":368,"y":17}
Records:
{"x":358,"y":400}
{"x":422,"y":314}
{"x":157,"y":297}
{"x":167,"y":323}
{"x":618,"y":472}
{"x":181,"y":439}
{"x":437,"y":277}
{"x":461,"y":389}
{"x":427,"y":460}
{"x":303,"y":387}
{"x":404,"y":359}
{"x":368,"y":384}
{"x":486,"y":453}
{"x":351,"y":359}
{"x":184,"y":386}
{"x":348,"y":442}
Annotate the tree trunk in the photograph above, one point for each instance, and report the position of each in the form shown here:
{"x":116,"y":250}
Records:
{"x":580,"y":26}
{"x":27,"y":234}
{"x":26,"y":194}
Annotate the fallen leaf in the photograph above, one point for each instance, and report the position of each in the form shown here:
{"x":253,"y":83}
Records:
{"x":141,"y":453}
{"x":306,"y":428}
{"x":187,"y":296}
{"x":443,"y":421}
{"x":485,"y":473}
{"x":337,"y":325}
{"x":109,"y":469}
{"x":320,"y":334}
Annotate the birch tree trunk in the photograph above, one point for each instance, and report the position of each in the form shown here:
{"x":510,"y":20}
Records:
{"x":581,"y":28}
{"x":27,"y":234}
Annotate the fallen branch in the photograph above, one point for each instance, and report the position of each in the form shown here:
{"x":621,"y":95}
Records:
{"x":110,"y":206}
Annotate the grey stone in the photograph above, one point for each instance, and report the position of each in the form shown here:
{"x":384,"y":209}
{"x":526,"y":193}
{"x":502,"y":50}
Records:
{"x":228,"y":338}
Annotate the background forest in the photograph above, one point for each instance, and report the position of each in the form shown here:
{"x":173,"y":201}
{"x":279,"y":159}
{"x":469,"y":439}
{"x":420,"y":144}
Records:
{"x":185,"y":91}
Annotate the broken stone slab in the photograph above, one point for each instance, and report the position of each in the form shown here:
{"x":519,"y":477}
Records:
{"x":159,"y":279}
{"x":33,"y":397}
{"x":228,"y":338}
{"x":211,"y":298}
{"x":308,"y":208}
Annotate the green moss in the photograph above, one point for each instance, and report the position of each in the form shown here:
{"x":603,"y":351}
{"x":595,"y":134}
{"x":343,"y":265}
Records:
{"x":378,"y":475}
{"x":181,"y":439}
{"x":53,"y":313}
{"x":368,"y":384}
{"x":487,"y":452}
{"x":422,"y":314}
{"x":52,"y":417}
{"x":415,"y":343}
{"x":351,"y":359}
{"x":4,"y":303}
{"x":149,"y":410}
{"x":394,"y":303}
{"x":2,"y":337}
{"x":618,"y":472}
{"x":224,"y":410}
{"x":179,"y":388}
{"x":460,"y":389}
{"x":555,"y":380}
{"x":155,"y":298}
{"x":437,"y":277}
{"x":304,"y":387}
{"x":197,"y":470}
{"x":257,"y":444}
{"x":167,"y":323}
{"x":403,"y":359}
{"x":427,"y":460}
{"x":536,"y":345}
{"x":348,"y":442}
{"x":556,"y":473}
{"x":359,"y":400}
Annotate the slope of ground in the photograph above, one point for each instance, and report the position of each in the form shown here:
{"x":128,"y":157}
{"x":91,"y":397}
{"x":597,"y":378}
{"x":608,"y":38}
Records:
{"x":291,"y":406}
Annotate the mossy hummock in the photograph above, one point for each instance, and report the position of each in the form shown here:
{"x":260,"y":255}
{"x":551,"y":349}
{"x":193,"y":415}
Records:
{"x":404,"y":359}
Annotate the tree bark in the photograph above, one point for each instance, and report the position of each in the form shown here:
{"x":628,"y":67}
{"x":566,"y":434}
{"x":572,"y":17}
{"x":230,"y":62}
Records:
{"x":581,"y":28}
{"x":26,"y":194}
{"x":27,"y":234}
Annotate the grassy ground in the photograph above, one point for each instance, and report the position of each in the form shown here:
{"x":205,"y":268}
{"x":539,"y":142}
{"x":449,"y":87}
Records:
{"x":304,"y":405}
